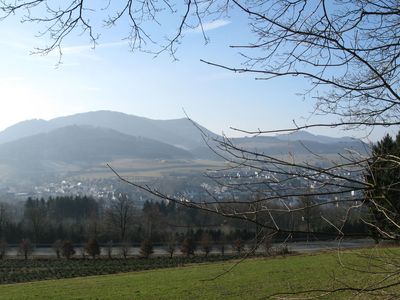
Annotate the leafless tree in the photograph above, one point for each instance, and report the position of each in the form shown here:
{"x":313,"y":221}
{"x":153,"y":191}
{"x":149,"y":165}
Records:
{"x":92,"y":248}
{"x":93,"y":226}
{"x":348,"y":50}
{"x":25,"y":248}
{"x":267,"y":243}
{"x":109,"y":248}
{"x":120,"y":215}
{"x":171,"y":244}
{"x":35,"y":216}
{"x":188,"y":246}
{"x":222,"y":244}
{"x":146,"y":248}
{"x":206,"y":244}
{"x":82,"y":251}
{"x":4,"y":218}
{"x":68,"y":249}
{"x":151,"y":219}
{"x":349,"y":53}
{"x":238,"y":246}
{"x":125,"y":248}
{"x":58,"y":247}
{"x":3,"y":248}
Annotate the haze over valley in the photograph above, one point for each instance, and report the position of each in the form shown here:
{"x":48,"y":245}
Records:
{"x":69,"y":155}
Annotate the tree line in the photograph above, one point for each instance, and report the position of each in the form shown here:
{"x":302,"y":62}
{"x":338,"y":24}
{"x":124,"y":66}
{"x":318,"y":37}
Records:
{"x":119,"y":221}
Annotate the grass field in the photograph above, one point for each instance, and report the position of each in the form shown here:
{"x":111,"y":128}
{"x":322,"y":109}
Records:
{"x":149,"y":168}
{"x":251,"y":279}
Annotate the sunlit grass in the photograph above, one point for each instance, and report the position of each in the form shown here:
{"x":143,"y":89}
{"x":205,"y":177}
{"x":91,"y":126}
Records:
{"x":251,"y":279}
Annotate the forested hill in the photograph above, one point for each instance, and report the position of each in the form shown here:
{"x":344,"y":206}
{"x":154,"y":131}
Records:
{"x":95,"y":138}
{"x":85,"y":144}
{"x":178,"y":132}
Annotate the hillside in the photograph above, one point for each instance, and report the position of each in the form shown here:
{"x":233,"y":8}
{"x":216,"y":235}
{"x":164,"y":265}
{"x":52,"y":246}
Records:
{"x":281,"y":145}
{"x":180,"y":132}
{"x":84,"y":145}
{"x":184,"y":134}
{"x":81,"y":142}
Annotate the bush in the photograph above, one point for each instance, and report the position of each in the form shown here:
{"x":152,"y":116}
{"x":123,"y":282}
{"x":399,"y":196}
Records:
{"x":267,"y":245}
{"x":238,"y":246}
{"x":3,"y":248}
{"x":109,"y":249}
{"x":67,"y":249}
{"x":57,"y":247}
{"x":92,"y":248}
{"x":171,"y":245}
{"x":283,"y":250}
{"x":124,"y":249}
{"x":146,"y":248}
{"x":188,"y":246}
{"x":25,"y":248}
{"x":206,"y":244}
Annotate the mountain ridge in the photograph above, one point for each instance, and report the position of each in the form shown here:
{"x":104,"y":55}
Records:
{"x":88,"y":139}
{"x":85,"y":144}
{"x":181,"y":132}
{"x":178,"y":132}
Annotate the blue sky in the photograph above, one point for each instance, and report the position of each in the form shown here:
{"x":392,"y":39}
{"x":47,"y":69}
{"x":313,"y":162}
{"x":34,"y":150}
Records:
{"x":113,"y":78}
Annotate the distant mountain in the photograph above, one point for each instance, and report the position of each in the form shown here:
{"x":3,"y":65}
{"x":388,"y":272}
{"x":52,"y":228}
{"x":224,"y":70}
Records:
{"x":180,"y":132}
{"x":24,"y":129}
{"x":278,"y":145}
{"x":84,"y":145}
{"x":306,"y":136}
{"x":101,"y":136}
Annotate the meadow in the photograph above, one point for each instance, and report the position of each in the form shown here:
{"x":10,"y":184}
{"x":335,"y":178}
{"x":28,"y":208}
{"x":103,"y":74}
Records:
{"x":256,"y":278}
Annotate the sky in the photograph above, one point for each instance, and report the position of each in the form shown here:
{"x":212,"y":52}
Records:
{"x":111,"y":77}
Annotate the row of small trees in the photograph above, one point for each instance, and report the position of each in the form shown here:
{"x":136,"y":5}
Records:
{"x":188,"y":247}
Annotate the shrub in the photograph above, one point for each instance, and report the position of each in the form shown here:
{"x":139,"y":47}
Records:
{"x":146,"y":248}
{"x":57,"y":247}
{"x":25,"y":248}
{"x":283,"y":250}
{"x":188,"y":246}
{"x":124,"y":249}
{"x":206,"y":244}
{"x":238,"y":246}
{"x":92,"y":248}
{"x":267,"y":245}
{"x":3,"y":248}
{"x":109,"y":249}
{"x":67,"y":249}
{"x":171,"y":246}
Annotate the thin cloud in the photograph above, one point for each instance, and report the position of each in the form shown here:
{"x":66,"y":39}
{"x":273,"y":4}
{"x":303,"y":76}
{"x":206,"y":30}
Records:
{"x":113,"y":44}
{"x":211,"y":25}
{"x":81,"y":49}
{"x":86,"y":51}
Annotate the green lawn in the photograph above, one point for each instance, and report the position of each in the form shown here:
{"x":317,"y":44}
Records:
{"x":251,"y":279}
